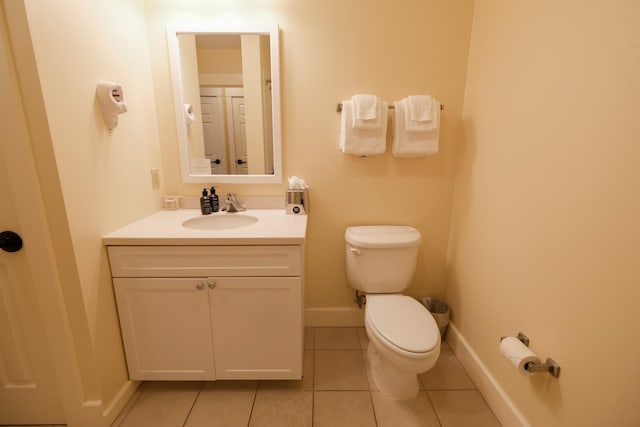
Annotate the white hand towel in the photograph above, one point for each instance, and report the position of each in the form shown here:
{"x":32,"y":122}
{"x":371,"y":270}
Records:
{"x":420,"y":108}
{"x":366,"y":112}
{"x":422,"y":113}
{"x":413,"y":143}
{"x":362,"y":142}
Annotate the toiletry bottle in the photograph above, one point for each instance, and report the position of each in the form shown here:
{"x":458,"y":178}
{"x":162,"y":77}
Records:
{"x":205,"y":203}
{"x":215,"y":202}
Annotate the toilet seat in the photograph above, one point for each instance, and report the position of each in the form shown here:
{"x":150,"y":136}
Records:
{"x":402,"y":323}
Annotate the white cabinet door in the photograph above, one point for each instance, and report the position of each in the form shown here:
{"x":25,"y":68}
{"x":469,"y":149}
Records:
{"x":257,"y":327}
{"x":166,"y":328}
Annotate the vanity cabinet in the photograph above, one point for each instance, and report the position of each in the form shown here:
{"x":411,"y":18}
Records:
{"x":210,"y":312}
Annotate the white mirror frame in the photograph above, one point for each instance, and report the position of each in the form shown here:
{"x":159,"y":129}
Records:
{"x":174,"y":57}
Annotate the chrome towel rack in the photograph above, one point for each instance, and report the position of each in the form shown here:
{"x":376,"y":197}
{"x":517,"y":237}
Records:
{"x":391,"y":107}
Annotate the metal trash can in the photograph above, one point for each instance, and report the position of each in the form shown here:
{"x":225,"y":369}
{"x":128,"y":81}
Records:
{"x":440,"y":312}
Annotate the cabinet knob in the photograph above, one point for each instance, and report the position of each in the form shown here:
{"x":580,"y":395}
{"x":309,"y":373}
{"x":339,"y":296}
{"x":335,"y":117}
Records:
{"x":200,"y":286}
{"x":212,"y":284}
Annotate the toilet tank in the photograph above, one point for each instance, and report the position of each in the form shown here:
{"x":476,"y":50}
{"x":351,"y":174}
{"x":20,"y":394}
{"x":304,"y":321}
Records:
{"x":381,"y":258}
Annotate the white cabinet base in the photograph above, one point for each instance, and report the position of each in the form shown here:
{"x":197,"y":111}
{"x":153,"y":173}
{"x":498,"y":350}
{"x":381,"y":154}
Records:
{"x":256,"y":327}
{"x":166,"y":328}
{"x":244,"y":321}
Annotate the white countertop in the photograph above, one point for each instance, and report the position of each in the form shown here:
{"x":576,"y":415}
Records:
{"x":274,"y":227}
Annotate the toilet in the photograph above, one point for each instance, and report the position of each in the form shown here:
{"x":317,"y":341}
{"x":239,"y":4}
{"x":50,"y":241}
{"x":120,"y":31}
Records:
{"x":404,"y":339}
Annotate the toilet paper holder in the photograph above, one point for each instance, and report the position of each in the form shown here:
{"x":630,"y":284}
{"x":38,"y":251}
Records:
{"x":549,"y":366}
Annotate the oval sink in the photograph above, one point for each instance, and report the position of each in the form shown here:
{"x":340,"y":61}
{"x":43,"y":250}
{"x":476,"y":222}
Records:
{"x":220,"y":222}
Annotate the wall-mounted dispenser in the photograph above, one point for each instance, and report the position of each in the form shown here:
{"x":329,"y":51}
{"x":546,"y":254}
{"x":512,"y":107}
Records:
{"x":111,"y":101}
{"x":189,"y":114}
{"x":297,"y":197}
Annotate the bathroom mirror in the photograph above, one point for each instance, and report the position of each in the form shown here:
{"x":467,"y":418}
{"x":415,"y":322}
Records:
{"x":226,"y":90}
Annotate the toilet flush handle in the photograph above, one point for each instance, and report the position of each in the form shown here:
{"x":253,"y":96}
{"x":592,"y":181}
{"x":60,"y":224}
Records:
{"x":355,"y":251}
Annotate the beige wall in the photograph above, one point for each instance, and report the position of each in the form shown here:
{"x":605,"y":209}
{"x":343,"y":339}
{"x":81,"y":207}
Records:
{"x":547,"y":208}
{"x":329,"y":53}
{"x":545,"y":236}
{"x":104,"y":176}
{"x":220,"y":61}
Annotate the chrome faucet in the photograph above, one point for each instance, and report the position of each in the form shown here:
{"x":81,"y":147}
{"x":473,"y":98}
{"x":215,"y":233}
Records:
{"x":231,"y":204}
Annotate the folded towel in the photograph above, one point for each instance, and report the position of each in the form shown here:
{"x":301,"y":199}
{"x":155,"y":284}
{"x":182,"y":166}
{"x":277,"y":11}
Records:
{"x":365,"y":107}
{"x":413,"y":143}
{"x":422,"y":113}
{"x":362,"y":142}
{"x":366,"y":112}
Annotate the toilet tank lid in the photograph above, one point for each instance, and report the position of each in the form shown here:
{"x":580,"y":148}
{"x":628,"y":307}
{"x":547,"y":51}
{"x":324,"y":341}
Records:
{"x":383,"y":236}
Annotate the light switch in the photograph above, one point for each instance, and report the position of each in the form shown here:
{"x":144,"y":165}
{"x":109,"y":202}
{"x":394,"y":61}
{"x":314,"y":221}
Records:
{"x":155,"y":178}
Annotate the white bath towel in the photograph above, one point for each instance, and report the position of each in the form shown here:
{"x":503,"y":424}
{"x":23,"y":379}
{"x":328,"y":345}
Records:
{"x":413,"y":143}
{"x":422,"y":113}
{"x":363,"y":142}
{"x":366,"y":112}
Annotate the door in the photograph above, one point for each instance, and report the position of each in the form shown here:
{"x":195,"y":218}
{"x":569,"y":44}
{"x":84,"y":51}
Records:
{"x":26,"y":372}
{"x":257,"y":327}
{"x":166,"y":328}
{"x":237,"y":131}
{"x":267,"y":102}
{"x":213,"y":129}
{"x":28,"y":388}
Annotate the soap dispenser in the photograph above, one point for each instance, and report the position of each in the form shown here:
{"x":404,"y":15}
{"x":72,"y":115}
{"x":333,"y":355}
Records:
{"x":205,"y":203}
{"x":215,"y":201}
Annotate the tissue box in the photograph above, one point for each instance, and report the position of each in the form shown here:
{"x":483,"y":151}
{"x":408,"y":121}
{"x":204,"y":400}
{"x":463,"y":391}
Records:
{"x":297,"y":202}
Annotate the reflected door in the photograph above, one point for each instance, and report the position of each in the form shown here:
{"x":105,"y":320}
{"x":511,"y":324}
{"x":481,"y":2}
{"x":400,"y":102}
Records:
{"x":213,"y":132}
{"x":237,"y":134}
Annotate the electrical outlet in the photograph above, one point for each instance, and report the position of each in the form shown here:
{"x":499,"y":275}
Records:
{"x":155,"y":178}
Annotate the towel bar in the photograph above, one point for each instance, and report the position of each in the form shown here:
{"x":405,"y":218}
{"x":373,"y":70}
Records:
{"x":339,"y":107}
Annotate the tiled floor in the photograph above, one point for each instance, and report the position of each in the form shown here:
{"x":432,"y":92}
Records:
{"x":337,"y":390}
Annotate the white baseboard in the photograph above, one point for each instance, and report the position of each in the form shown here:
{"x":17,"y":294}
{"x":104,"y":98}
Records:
{"x":119,"y":401}
{"x":334,"y":317}
{"x":507,"y":413}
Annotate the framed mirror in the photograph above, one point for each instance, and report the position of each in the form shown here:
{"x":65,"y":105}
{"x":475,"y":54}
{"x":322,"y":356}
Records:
{"x":226,"y":90}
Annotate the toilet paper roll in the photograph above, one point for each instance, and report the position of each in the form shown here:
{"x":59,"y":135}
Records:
{"x":518,"y":354}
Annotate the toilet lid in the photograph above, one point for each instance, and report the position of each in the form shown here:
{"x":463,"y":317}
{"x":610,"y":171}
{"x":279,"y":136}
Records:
{"x":383,"y":236}
{"x":403,"y":322}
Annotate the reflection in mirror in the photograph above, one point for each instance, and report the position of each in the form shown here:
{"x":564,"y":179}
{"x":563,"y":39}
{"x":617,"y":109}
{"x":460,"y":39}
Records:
{"x":227,"y":102}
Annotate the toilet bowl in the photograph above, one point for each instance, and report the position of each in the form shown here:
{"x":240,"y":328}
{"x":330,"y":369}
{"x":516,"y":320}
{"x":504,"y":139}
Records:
{"x":404,"y":339}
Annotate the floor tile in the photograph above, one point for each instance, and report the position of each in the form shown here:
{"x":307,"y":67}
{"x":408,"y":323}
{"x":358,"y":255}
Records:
{"x":306,"y":383}
{"x":336,"y":338}
{"x":282,"y":408}
{"x":162,"y":404}
{"x":363,"y":338}
{"x":462,"y":408}
{"x":416,"y":412}
{"x":222,"y":408}
{"x":447,"y":374}
{"x":343,"y":409}
{"x":228,"y":385}
{"x":337,"y":389}
{"x":309,"y":337}
{"x":367,"y":368}
{"x":340,"y":370}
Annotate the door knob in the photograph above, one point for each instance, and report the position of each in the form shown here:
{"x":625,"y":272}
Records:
{"x":241,"y":162}
{"x":10,"y":241}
